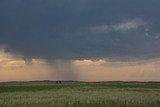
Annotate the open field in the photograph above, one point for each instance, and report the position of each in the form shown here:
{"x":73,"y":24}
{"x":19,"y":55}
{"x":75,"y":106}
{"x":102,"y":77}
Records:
{"x":80,"y":94}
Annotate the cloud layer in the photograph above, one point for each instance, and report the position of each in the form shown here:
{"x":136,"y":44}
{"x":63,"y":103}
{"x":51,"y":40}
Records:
{"x":124,"y":26}
{"x":12,"y":69}
{"x":85,"y":29}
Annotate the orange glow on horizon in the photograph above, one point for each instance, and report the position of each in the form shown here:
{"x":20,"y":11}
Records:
{"x":12,"y":69}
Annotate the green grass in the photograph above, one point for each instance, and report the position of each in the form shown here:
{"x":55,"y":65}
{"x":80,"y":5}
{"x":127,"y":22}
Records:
{"x":80,"y":86}
{"x":116,"y":94}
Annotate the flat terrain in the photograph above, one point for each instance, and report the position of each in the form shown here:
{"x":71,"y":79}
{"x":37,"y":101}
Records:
{"x":79,"y":94}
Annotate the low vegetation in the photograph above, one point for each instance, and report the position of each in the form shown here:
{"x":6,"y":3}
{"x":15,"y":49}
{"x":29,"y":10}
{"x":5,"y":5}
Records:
{"x":79,"y":94}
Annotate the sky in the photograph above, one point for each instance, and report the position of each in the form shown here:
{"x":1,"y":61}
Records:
{"x":86,"y":40}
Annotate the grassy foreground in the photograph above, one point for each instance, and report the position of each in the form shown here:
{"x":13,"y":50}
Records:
{"x":106,"y":94}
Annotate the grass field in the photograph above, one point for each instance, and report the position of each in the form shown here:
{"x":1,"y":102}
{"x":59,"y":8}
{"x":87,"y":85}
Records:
{"x":80,"y":94}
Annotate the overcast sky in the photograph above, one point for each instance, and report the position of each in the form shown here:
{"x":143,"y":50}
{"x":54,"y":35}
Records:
{"x":79,"y":29}
{"x":118,"y":30}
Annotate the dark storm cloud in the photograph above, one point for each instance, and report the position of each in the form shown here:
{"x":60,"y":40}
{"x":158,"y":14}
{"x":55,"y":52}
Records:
{"x":78,"y":29}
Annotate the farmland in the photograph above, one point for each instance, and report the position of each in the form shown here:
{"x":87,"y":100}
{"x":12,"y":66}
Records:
{"x":80,"y":94}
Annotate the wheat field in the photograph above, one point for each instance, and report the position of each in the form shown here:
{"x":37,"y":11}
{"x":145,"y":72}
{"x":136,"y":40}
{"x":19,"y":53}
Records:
{"x":81,"y":95}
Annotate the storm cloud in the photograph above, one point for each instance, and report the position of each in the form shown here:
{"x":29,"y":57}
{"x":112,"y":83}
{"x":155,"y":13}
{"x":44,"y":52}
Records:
{"x":80,"y":29}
